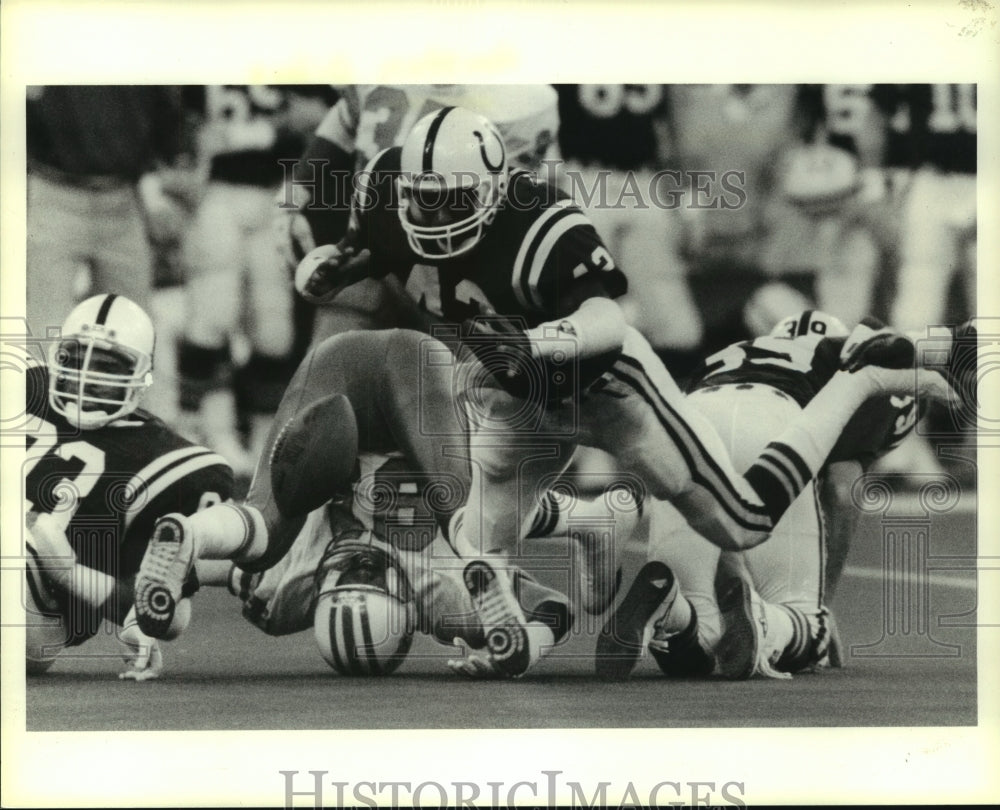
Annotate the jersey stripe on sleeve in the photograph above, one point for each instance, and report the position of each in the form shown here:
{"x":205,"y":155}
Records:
{"x":155,"y":478}
{"x":531,"y":246}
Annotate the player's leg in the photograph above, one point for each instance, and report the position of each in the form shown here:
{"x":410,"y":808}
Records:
{"x":270,"y":323}
{"x":509,"y":460}
{"x":686,"y":631}
{"x":213,"y":257}
{"x":637,"y":411}
{"x":255,"y":534}
{"x":785,"y":573}
{"x":415,"y":402}
{"x":927,"y":252}
{"x":123,"y":256}
{"x":58,"y":228}
{"x":596,"y":527}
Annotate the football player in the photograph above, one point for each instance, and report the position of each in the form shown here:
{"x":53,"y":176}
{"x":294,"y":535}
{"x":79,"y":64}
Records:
{"x":360,"y":398}
{"x":315,"y":200}
{"x":371,"y":566}
{"x":524,"y":283}
{"x":99,"y":471}
{"x":234,"y":284}
{"x":773,"y":602}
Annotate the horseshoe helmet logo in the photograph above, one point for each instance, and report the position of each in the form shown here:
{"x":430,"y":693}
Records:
{"x":491,"y":165}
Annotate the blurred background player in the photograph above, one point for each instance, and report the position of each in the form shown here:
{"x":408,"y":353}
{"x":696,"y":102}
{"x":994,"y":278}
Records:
{"x":96,"y":154}
{"x":773,"y":606}
{"x":314,"y":204}
{"x":239,"y":325}
{"x":99,"y":471}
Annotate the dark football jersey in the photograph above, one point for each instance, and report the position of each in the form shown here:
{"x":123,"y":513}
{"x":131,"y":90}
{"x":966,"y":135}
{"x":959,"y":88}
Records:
{"x":921,"y":124}
{"x":610,"y":125}
{"x":252,"y":133}
{"x":108,"y":486}
{"x":799,"y":367}
{"x":931,"y":125}
{"x":538,"y":260}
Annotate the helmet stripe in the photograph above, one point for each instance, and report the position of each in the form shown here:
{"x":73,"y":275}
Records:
{"x":368,"y":645}
{"x":803,"y":328}
{"x":103,"y":312}
{"x":338,"y":660}
{"x":350,"y":647}
{"x":432,"y":133}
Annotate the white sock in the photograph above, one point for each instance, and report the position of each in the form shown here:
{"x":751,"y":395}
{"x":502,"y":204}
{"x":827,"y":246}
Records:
{"x":229,"y":531}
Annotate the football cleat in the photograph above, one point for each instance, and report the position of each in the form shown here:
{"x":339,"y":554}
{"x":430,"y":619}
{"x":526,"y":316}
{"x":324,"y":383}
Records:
{"x":502,"y":618}
{"x":742,"y":651}
{"x":166,"y":564}
{"x":680,"y":655}
{"x":620,"y":642}
{"x":598,"y":572}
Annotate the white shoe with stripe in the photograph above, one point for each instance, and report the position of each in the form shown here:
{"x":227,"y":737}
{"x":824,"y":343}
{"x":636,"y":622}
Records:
{"x":165,"y":566}
{"x":502,"y":618}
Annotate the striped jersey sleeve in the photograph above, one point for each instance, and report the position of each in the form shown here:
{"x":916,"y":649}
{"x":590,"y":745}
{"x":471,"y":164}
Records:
{"x":561,"y":261}
{"x":185,"y":480}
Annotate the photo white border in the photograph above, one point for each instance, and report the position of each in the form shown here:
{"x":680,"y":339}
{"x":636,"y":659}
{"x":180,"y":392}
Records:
{"x":260,"y":42}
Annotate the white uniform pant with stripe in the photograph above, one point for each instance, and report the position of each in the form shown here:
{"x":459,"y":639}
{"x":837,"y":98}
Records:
{"x":637,"y":413}
{"x":788,"y":568}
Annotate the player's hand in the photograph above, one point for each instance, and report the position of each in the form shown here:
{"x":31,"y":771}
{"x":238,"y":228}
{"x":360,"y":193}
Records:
{"x":878,"y":347}
{"x":513,"y":362}
{"x":52,"y":550}
{"x":476,"y":664}
{"x":323,"y":273}
{"x":888,"y":360}
{"x":140,"y":652}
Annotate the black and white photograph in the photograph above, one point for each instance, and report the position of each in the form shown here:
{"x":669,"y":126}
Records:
{"x":515,"y":438}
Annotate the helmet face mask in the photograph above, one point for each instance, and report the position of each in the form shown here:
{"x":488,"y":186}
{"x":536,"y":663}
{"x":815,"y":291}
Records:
{"x":453,"y":180}
{"x":102,"y":365}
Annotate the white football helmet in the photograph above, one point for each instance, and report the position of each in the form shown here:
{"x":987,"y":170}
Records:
{"x":810,"y":322}
{"x":102,"y":364}
{"x":363,"y":621}
{"x":452,"y":181}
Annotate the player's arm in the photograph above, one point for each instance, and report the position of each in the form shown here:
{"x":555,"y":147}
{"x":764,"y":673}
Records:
{"x":564,"y":270}
{"x":328,"y":270}
{"x":57,"y":562}
{"x":840,"y":517}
